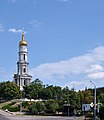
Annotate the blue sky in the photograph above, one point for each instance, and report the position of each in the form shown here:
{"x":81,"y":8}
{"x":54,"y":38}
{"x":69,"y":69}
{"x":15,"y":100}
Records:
{"x":65,"y":40}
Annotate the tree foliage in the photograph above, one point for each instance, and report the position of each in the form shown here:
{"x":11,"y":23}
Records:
{"x":52,"y":106}
{"x":37,"y":108}
{"x":53,"y":97}
{"x":9,"y":90}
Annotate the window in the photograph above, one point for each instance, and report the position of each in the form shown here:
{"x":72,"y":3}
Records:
{"x":24,"y":82}
{"x":24,"y":56}
{"x":24,"y":70}
{"x":16,"y":81}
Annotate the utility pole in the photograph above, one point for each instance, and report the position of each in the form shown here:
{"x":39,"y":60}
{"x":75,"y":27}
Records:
{"x":94,"y":100}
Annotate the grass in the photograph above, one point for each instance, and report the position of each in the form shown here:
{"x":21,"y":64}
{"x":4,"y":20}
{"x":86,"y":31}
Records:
{"x":4,"y":103}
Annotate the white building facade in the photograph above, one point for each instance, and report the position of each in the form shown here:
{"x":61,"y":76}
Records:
{"x":22,"y":77}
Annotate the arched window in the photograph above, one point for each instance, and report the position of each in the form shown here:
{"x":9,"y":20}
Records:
{"x":24,"y":70}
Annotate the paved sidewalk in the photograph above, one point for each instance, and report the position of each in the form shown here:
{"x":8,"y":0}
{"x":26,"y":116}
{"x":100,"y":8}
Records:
{"x":4,"y":113}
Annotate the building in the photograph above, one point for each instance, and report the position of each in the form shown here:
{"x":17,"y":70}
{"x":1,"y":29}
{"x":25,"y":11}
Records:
{"x":22,"y":77}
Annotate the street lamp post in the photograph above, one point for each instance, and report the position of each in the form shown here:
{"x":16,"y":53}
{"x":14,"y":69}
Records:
{"x":94,"y":100}
{"x":21,"y":104}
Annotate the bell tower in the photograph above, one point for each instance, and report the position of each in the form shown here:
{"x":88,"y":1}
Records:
{"x":22,"y":77}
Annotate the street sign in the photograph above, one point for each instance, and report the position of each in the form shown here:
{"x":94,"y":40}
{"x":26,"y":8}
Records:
{"x":86,"y":107}
{"x":92,"y":104}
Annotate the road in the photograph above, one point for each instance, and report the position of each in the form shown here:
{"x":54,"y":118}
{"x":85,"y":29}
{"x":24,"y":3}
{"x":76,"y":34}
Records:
{"x":3,"y":117}
{"x":37,"y":118}
{"x":40,"y":118}
{"x":6,"y":116}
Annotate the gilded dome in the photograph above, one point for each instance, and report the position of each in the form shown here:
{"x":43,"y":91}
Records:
{"x":23,"y":42}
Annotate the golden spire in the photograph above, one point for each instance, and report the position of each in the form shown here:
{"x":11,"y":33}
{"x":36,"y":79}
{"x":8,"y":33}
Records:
{"x":23,"y":42}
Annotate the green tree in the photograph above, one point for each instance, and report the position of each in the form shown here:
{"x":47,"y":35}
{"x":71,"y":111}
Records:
{"x":65,"y":94}
{"x":53,"y":92}
{"x":37,"y":82}
{"x":101,"y":98}
{"x":33,"y":90}
{"x":9,"y":90}
{"x":51,"y":106}
{"x":101,"y":113}
{"x":37,"y":108}
{"x":86,"y":96}
{"x":33,"y":109}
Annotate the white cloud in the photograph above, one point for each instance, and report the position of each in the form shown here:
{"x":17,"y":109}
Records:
{"x":35,"y":23}
{"x":96,"y":75}
{"x":79,"y":69}
{"x":81,"y":84}
{"x":14,"y":30}
{"x":94,"y":68}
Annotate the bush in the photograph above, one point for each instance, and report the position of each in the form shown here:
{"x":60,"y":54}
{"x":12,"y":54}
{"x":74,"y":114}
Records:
{"x":8,"y":105}
{"x":51,"y":106}
{"x":37,"y":108}
{"x":25,"y":104}
{"x":11,"y":108}
{"x":14,"y":109}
